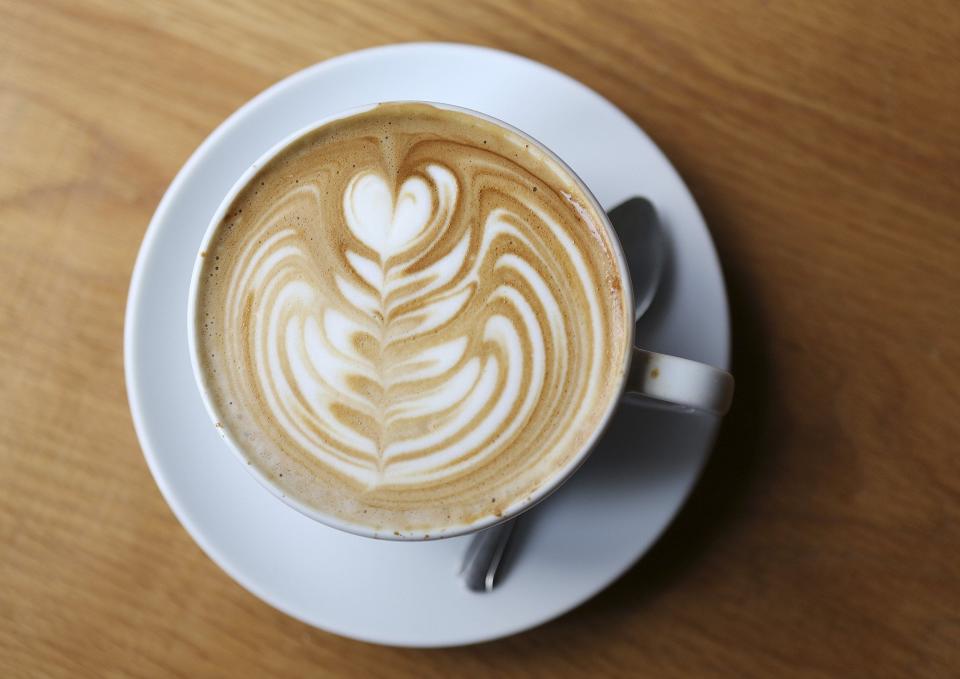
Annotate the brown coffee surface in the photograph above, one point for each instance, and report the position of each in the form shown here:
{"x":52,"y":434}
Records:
{"x":410,"y":320}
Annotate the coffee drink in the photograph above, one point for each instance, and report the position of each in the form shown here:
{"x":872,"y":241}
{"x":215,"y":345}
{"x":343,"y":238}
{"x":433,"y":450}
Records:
{"x":410,"y":320}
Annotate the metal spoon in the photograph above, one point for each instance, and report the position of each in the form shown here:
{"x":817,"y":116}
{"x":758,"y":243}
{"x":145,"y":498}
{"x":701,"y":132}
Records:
{"x":636,"y":224}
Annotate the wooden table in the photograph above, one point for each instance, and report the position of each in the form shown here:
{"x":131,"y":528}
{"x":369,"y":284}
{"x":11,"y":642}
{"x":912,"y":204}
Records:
{"x":822,"y":141}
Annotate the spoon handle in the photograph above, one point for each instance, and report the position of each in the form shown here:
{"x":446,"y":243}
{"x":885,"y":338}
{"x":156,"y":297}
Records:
{"x":480,"y":563}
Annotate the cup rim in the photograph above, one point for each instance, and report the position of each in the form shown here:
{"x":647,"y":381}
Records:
{"x":518,"y":507}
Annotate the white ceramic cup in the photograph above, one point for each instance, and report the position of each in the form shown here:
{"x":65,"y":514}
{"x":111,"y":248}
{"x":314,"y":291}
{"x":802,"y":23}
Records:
{"x":649,"y":377}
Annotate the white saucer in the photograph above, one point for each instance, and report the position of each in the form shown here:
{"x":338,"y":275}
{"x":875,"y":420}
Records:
{"x":578,"y":541}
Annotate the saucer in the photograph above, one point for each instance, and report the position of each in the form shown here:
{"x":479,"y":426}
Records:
{"x":408,"y":594}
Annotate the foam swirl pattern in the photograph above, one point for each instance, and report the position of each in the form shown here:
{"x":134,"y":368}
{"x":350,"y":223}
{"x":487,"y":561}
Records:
{"x":410,"y":320}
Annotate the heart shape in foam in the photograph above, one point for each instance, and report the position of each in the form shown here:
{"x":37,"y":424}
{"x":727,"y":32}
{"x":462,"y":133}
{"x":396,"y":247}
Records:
{"x":384,"y":224}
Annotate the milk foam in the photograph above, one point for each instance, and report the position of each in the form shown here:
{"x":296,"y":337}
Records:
{"x":410,"y":331}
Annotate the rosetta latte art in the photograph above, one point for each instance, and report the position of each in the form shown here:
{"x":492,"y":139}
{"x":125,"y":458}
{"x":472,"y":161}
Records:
{"x":410,"y":328}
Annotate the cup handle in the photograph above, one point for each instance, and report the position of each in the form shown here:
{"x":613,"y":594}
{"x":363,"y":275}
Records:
{"x":678,"y":383}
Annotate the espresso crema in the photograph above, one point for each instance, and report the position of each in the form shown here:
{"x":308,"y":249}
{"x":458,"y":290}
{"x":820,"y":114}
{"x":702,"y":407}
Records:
{"x":410,"y":320}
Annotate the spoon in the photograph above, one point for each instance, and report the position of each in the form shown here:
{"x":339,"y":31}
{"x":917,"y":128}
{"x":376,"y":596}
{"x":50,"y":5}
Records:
{"x":638,"y":229}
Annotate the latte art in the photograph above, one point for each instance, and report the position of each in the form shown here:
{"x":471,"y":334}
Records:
{"x":411,"y":319}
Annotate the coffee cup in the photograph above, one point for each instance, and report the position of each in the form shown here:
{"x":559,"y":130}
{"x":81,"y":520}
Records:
{"x":413,"y":321}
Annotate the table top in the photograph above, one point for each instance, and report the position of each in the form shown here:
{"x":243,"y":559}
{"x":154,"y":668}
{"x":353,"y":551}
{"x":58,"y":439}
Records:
{"x":822,"y":142}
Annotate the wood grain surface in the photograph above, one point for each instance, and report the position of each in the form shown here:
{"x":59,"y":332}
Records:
{"x":822,"y":141}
